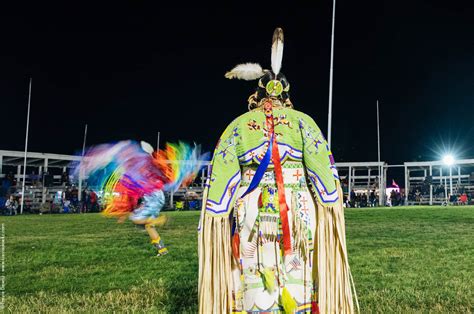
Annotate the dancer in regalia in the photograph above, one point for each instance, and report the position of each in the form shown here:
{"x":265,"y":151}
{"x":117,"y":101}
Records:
{"x":132,"y":178}
{"x":272,"y":235}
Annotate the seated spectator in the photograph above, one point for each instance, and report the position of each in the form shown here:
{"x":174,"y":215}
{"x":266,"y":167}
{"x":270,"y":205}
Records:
{"x":34,"y":178}
{"x":11,"y":205}
{"x":45,"y":208}
{"x":463,"y":199}
{"x":453,"y":199}
{"x":66,"y":206}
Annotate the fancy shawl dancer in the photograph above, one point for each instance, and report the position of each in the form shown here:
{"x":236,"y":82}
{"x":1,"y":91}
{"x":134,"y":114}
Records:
{"x":132,"y":179}
{"x":272,"y":235}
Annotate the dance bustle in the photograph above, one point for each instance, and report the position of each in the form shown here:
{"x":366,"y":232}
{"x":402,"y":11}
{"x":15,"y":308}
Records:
{"x":126,"y":171}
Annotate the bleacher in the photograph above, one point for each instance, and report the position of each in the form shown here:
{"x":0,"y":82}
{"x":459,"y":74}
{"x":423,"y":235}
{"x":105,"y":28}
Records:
{"x":433,"y":183}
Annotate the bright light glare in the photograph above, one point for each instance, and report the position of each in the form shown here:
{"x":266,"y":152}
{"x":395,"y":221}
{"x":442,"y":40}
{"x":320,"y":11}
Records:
{"x":448,"y":160}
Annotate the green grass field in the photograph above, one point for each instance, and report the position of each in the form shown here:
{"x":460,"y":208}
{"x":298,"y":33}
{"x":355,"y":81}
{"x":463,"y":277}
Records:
{"x":404,"y":260}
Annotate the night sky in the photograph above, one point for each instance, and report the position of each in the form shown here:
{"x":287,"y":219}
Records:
{"x":130,"y":70}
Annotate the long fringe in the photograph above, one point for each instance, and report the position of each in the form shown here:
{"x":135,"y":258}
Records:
{"x":215,"y":285}
{"x":301,"y":234}
{"x":336,"y":292}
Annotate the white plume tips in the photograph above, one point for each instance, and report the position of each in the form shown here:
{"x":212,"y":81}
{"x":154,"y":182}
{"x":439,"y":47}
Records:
{"x":277,"y":50}
{"x":246,"y":71}
{"x":147,"y":147}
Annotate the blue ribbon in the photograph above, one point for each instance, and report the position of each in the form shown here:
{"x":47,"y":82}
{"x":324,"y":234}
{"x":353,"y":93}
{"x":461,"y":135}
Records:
{"x":258,"y":175}
{"x":261,"y":169}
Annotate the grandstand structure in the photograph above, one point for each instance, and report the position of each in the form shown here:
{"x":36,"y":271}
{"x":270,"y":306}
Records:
{"x":44,"y":181}
{"x":426,"y":183}
{"x":362,"y":178}
{"x":37,"y":191}
{"x":434,"y":182}
{"x":39,"y":161}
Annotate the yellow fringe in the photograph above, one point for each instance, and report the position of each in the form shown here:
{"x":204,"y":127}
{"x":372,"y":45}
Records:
{"x":215,"y":251}
{"x":289,"y":304}
{"x":336,"y":292}
{"x":268,"y":279}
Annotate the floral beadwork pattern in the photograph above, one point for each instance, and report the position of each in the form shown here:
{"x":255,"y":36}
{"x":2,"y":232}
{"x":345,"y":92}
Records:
{"x":226,"y":146}
{"x":312,"y":138}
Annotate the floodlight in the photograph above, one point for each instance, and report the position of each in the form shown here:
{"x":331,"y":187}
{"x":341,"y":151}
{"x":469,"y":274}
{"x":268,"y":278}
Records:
{"x":448,"y":160}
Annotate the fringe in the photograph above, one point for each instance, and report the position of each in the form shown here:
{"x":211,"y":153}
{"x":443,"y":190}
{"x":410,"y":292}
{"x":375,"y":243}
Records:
{"x":215,"y":285}
{"x":268,"y":226}
{"x":286,"y":300}
{"x":301,"y":238}
{"x":336,"y":293}
{"x":268,"y":279}
{"x":301,"y":233}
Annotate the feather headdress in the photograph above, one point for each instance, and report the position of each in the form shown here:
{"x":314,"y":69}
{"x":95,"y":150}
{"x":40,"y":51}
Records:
{"x":246,"y":71}
{"x":253,"y":71}
{"x":277,"y":50}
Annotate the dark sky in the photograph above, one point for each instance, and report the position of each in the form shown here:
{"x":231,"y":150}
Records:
{"x":129,"y":70}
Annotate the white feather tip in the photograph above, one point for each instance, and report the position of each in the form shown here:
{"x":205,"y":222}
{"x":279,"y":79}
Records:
{"x":147,"y":147}
{"x":277,"y":50}
{"x":246,"y":71}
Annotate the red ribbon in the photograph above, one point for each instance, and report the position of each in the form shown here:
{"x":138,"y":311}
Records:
{"x":236,"y":245}
{"x":279,"y":180}
{"x":314,"y":307}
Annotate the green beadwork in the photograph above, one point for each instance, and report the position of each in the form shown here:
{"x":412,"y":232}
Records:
{"x":274,"y":88}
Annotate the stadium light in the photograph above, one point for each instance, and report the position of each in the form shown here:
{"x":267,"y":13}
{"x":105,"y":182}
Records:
{"x":448,"y":160}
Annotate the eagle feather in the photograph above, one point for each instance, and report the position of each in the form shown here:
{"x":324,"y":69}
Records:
{"x":277,"y":50}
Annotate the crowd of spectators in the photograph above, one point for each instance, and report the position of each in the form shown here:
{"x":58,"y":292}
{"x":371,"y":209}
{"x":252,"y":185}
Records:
{"x":421,"y":193}
{"x":66,"y":200}
{"x":396,"y":198}
{"x":361,"y":199}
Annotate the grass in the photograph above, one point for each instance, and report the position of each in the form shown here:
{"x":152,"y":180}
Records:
{"x":404,"y":260}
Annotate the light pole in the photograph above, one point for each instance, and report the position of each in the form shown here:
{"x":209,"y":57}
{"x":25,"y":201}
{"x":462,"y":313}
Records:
{"x":381,"y":194}
{"x":81,"y":170}
{"x":331,"y":73}
{"x":26,"y":150}
{"x":450,"y":180}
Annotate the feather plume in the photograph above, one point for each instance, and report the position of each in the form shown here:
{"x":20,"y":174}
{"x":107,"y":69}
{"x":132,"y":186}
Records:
{"x":277,"y":50}
{"x":246,"y":71}
{"x":147,"y":147}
